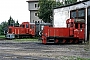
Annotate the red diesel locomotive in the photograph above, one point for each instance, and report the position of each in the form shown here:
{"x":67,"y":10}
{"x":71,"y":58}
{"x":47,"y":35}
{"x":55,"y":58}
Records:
{"x":24,"y":30}
{"x":73,"y":33}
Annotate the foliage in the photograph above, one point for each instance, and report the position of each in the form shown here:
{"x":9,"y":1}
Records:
{"x":2,"y":36}
{"x":70,"y":2}
{"x":45,"y":11}
{"x":1,"y":29}
{"x":11,"y":22}
{"x":83,"y":58}
{"x":17,"y":23}
{"x":4,"y":25}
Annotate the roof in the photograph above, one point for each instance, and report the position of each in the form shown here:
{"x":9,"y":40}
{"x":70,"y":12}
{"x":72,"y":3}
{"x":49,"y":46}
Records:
{"x":32,"y":1}
{"x":72,"y":4}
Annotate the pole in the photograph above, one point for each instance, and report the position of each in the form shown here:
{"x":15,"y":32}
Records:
{"x":86,"y":26}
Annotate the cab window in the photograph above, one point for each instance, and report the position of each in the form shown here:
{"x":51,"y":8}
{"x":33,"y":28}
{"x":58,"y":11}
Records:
{"x":27,"y":26}
{"x":22,"y":26}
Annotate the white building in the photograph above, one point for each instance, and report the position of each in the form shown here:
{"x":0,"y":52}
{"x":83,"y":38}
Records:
{"x":77,"y":10}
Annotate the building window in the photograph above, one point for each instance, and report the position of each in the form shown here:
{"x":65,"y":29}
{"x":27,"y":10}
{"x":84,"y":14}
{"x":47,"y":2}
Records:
{"x":73,"y":14}
{"x":27,"y":26}
{"x":36,"y":5}
{"x":36,"y":14}
{"x":79,"y":13}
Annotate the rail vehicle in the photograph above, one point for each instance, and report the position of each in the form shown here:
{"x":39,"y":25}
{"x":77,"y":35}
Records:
{"x":25,"y":30}
{"x":74,"y":32}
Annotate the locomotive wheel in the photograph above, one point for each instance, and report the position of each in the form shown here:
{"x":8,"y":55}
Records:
{"x":64,"y":41}
{"x":76,"y":41}
{"x":71,"y":41}
{"x":56,"y":41}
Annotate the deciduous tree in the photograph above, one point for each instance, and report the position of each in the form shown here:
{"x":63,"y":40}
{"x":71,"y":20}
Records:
{"x":45,"y":11}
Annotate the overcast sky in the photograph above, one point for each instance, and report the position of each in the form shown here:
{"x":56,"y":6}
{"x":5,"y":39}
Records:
{"x":17,"y":9}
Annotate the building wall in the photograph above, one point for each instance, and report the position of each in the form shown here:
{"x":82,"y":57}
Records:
{"x":34,"y":17}
{"x":60,"y":16}
{"x":79,"y":0}
{"x":64,"y":13}
{"x":31,"y":6}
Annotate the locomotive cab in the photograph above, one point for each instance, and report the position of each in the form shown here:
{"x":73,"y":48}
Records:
{"x":26,"y":26}
{"x":77,"y":28}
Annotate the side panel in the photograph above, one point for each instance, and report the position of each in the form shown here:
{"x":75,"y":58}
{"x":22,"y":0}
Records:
{"x":64,"y":32}
{"x":58,"y":32}
{"x":22,"y":30}
{"x":17,"y":30}
{"x":51,"y":31}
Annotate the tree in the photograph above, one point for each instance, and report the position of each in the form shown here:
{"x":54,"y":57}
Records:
{"x":45,"y":11}
{"x":17,"y":23}
{"x":3,"y":27}
{"x":70,"y":2}
{"x":11,"y":22}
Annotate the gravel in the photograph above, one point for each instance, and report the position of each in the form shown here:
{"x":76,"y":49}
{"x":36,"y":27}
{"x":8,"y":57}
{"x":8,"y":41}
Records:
{"x":11,"y":50}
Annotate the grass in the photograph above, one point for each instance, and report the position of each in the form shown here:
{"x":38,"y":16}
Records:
{"x":35,"y":39}
{"x":83,"y":59}
{"x":2,"y":36}
{"x":26,"y":40}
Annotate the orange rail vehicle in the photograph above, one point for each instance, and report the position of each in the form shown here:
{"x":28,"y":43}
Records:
{"x":73,"y":33}
{"x":24,"y":30}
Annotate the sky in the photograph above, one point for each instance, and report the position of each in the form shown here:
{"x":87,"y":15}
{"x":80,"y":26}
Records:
{"x":17,"y":9}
